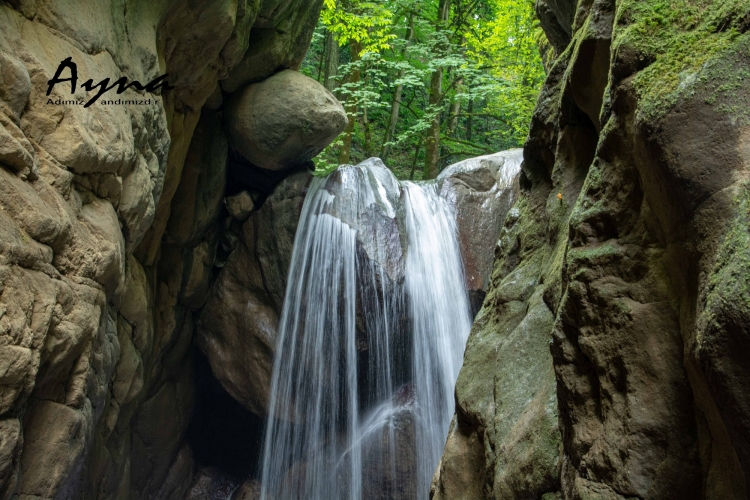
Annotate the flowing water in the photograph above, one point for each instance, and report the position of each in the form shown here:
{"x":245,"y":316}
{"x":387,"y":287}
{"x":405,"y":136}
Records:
{"x":370,"y":342}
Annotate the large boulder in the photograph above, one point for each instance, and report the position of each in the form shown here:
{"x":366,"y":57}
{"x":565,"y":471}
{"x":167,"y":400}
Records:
{"x":238,"y":326}
{"x":481,"y":191}
{"x":283,"y":121}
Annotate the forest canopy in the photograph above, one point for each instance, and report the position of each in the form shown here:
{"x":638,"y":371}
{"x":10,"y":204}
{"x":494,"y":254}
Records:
{"x":426,"y":83}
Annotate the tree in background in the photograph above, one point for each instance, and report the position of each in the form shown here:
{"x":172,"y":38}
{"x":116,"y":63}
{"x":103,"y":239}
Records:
{"x":428,"y":81}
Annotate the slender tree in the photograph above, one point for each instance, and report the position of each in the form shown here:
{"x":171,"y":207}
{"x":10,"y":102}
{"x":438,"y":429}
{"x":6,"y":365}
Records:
{"x":397,"y":94}
{"x":331,"y":61}
{"x":432,"y":139}
{"x":352,"y":81}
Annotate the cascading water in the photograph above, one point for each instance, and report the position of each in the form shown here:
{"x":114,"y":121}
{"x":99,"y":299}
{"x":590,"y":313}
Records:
{"x":439,"y":309}
{"x":370,"y":343}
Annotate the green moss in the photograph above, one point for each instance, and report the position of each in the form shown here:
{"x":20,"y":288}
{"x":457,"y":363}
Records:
{"x":682,"y":37}
{"x":729,"y":283}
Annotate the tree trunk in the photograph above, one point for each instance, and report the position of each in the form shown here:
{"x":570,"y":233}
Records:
{"x":414,"y":163}
{"x":432,"y":139}
{"x":351,"y":108}
{"x":455,"y":111}
{"x":368,"y":132}
{"x":469,"y":122}
{"x":331,"y":64}
{"x":396,"y":105}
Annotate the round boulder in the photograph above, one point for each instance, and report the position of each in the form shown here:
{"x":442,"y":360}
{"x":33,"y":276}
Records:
{"x":283,"y":121}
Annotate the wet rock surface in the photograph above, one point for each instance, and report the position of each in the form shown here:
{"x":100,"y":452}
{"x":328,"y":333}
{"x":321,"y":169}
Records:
{"x":389,"y":455}
{"x":238,"y":325}
{"x":481,"y":191}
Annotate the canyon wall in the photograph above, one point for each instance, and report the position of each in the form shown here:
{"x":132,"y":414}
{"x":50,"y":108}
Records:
{"x":112,"y":224}
{"x":609,"y":360}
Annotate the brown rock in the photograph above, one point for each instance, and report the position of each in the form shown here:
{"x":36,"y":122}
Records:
{"x":249,"y":490}
{"x":460,"y":475}
{"x":240,"y":206}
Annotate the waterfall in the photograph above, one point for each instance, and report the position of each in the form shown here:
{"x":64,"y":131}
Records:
{"x":439,"y":308}
{"x":370,"y":342}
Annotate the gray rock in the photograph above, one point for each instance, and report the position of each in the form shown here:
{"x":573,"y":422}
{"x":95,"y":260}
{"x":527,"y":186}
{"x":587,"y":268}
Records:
{"x":238,"y":325}
{"x":481,"y":191}
{"x":556,"y":18}
{"x":284,"y":121}
{"x":279,"y":39}
{"x":211,"y":484}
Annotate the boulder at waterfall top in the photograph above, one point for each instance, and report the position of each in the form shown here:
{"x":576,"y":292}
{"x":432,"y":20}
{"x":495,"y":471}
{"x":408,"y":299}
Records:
{"x":481,"y":191}
{"x":283,"y":121}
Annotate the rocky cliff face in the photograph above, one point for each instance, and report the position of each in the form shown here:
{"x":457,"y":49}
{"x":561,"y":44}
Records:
{"x":615,"y":329}
{"x":112,"y":223}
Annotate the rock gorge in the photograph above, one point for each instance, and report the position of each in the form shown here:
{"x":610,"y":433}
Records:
{"x":144,"y":253}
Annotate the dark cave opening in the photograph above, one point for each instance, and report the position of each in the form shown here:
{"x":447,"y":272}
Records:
{"x":222,"y":433}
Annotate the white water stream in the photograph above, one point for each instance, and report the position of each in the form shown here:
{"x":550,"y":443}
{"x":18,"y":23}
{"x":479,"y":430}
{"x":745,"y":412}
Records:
{"x":370,"y":343}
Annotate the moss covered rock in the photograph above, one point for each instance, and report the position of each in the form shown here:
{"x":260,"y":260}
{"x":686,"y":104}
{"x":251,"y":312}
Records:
{"x":609,"y":358}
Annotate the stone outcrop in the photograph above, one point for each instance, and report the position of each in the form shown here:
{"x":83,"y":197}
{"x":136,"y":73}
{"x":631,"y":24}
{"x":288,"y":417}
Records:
{"x":109,"y":227}
{"x":239,"y":324}
{"x":481,"y":191}
{"x":389,"y":456}
{"x":283,"y":121}
{"x":606,"y":361}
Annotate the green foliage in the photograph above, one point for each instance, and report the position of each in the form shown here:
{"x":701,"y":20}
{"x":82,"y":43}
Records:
{"x":488,"y":53}
{"x":507,"y":45}
{"x":368,"y":23}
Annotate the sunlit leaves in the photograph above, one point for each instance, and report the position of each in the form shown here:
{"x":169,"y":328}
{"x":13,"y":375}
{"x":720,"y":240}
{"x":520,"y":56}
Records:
{"x":507,"y":45}
{"x":369,"y":23}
